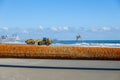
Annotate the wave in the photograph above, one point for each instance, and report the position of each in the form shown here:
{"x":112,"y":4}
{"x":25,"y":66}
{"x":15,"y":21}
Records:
{"x":88,"y":44}
{"x":13,"y":42}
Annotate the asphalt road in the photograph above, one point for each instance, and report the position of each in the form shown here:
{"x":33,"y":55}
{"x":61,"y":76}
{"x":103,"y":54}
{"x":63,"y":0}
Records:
{"x":43,"y":69}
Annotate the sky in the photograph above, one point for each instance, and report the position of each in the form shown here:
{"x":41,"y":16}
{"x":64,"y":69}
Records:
{"x":61,"y":19}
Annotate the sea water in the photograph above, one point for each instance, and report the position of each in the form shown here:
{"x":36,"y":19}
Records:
{"x":92,"y":43}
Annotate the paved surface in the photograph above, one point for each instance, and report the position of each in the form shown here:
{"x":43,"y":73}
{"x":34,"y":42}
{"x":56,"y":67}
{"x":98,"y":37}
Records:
{"x":42,"y":69}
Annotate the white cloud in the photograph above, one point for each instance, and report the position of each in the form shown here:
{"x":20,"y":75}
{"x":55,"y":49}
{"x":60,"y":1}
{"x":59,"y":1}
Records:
{"x":5,"y":28}
{"x":117,"y":28}
{"x":60,"y":28}
{"x":40,"y":27}
{"x":54,"y":29}
{"x":65,"y":28}
{"x":61,"y":32}
{"x":105,"y":28}
{"x":100,"y":29}
{"x":25,"y":31}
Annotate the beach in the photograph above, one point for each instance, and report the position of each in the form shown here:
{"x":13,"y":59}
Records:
{"x":30,"y":62}
{"x":58,"y":52}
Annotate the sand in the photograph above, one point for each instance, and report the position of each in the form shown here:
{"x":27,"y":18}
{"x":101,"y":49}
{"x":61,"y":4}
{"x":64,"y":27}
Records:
{"x":13,"y":66}
{"x":58,"y":52}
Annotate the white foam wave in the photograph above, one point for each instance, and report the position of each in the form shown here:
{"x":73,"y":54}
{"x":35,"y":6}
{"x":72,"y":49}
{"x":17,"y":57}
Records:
{"x":75,"y":44}
{"x":89,"y":44}
{"x":13,"y":42}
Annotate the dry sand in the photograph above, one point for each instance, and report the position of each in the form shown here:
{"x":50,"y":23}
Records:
{"x":58,"y":52}
{"x":18,"y":73}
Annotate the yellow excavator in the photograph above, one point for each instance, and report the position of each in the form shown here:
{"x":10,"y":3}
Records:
{"x":45,"y":41}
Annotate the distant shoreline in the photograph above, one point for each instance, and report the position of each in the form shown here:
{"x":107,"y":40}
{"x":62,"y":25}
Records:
{"x":80,"y":43}
{"x":58,"y":52}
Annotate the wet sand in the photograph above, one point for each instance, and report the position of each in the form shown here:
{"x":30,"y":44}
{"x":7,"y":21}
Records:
{"x":20,"y":72}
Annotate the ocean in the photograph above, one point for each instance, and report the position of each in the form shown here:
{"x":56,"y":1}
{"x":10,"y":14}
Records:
{"x":93,"y":43}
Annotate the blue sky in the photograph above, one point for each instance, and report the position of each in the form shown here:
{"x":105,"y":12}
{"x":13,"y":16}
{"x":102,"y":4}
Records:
{"x":62,"y":19}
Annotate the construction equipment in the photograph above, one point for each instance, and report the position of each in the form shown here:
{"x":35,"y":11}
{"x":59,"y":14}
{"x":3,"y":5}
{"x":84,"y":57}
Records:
{"x":30,"y":41}
{"x":45,"y":41}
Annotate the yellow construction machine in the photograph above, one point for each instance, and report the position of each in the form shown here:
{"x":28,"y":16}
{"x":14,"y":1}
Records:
{"x":45,"y":41}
